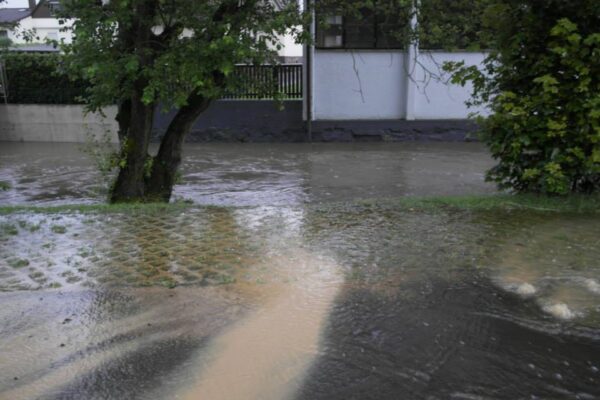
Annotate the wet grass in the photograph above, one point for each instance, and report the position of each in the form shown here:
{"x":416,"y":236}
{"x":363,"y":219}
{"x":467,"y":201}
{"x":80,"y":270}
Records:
{"x":503,"y":202}
{"x":18,"y":263}
{"x":568,"y":204}
{"x":134,"y":208}
{"x":60,"y":229}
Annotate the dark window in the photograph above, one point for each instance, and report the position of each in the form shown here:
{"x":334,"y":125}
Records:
{"x":380,"y":27}
{"x":54,"y":5}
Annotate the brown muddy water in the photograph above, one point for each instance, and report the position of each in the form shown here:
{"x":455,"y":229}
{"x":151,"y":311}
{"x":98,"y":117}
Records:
{"x":297,"y":297}
{"x":253,"y":175}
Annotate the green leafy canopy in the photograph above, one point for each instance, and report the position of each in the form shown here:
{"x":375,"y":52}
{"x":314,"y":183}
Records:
{"x":193,"y":48}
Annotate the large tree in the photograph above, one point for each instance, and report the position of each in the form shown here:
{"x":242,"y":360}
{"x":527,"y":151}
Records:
{"x":146,"y":54}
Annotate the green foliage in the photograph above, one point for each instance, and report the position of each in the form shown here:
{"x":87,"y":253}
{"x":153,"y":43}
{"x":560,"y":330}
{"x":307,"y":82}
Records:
{"x":193,"y":46}
{"x":5,"y":43}
{"x":453,"y":25}
{"x":542,"y":84}
{"x":4,"y":186}
{"x":40,"y":79}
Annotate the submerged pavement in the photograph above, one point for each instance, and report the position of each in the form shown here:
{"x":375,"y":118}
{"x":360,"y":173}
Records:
{"x":303,"y":298}
{"x":257,"y":174}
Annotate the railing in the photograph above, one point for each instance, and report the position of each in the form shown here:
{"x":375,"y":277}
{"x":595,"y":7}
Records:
{"x":250,"y":82}
{"x":266,"y":82}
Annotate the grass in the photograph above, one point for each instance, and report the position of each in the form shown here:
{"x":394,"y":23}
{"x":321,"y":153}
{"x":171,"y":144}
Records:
{"x":18,"y":263}
{"x":8,"y":229}
{"x":60,"y":229}
{"x":133,"y":208}
{"x":572,"y":204}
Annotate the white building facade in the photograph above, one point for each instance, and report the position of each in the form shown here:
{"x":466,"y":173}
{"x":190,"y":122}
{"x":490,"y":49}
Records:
{"x":31,"y":21}
{"x":355,"y":73}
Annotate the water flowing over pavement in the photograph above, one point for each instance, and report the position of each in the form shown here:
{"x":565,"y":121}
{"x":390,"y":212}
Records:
{"x":287,"y":295}
{"x":254,"y":175}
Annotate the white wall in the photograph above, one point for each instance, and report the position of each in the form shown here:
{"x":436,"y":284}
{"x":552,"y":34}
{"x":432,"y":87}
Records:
{"x":48,"y":123}
{"x":290,"y":47}
{"x":358,"y":84}
{"x":438,"y":99}
{"x":15,"y":4}
{"x":43,"y":27}
{"x":387,"y":91}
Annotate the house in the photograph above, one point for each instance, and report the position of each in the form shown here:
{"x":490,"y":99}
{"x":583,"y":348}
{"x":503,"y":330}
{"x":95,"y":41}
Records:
{"x":27,"y":22}
{"x":30,"y":23}
{"x":356,"y":70}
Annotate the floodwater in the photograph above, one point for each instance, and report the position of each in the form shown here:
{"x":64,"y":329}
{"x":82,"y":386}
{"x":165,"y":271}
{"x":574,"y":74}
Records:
{"x":257,"y":174}
{"x":298,"y":291}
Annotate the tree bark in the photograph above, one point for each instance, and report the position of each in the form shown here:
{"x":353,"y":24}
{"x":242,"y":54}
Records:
{"x":123,"y":118}
{"x":129,"y":186}
{"x":159,"y":186}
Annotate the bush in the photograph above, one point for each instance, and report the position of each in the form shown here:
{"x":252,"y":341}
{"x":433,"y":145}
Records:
{"x":542,"y":84}
{"x":38,"y":79}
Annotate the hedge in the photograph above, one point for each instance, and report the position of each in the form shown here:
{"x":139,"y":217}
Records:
{"x":37,"y":79}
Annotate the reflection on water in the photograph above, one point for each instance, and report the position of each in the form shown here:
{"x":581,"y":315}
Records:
{"x":255,"y":175}
{"x":330,"y":301}
{"x":274,"y":298}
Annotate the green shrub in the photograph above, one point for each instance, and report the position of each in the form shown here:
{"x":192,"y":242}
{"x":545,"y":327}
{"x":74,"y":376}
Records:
{"x":39,"y":79}
{"x":542,"y":84}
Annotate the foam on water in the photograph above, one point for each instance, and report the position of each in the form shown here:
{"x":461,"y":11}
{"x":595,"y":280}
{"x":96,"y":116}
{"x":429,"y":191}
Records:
{"x":560,"y":311}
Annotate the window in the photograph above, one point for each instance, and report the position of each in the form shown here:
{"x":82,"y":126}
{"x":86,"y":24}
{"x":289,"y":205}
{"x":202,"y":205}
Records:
{"x":379,"y":27}
{"x":54,"y":5}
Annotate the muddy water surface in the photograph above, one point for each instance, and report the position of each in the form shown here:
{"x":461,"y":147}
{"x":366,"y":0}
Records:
{"x":270,"y":174}
{"x":289,"y":300}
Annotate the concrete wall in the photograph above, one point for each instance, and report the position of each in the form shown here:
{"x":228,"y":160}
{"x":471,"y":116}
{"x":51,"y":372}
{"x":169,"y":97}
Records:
{"x":50,"y":123}
{"x":224,"y":121}
{"x":435,"y":98}
{"x":358,"y":85}
{"x":375,"y":85}
{"x":228,"y":121}
{"x":243,"y":121}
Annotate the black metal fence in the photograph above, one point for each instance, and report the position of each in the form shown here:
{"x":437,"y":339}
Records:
{"x":249,"y":82}
{"x":266,"y":82}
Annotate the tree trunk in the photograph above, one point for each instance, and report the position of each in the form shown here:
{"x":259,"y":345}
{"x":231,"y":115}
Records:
{"x":129,"y":186}
{"x":159,"y":186}
{"x":123,"y":118}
